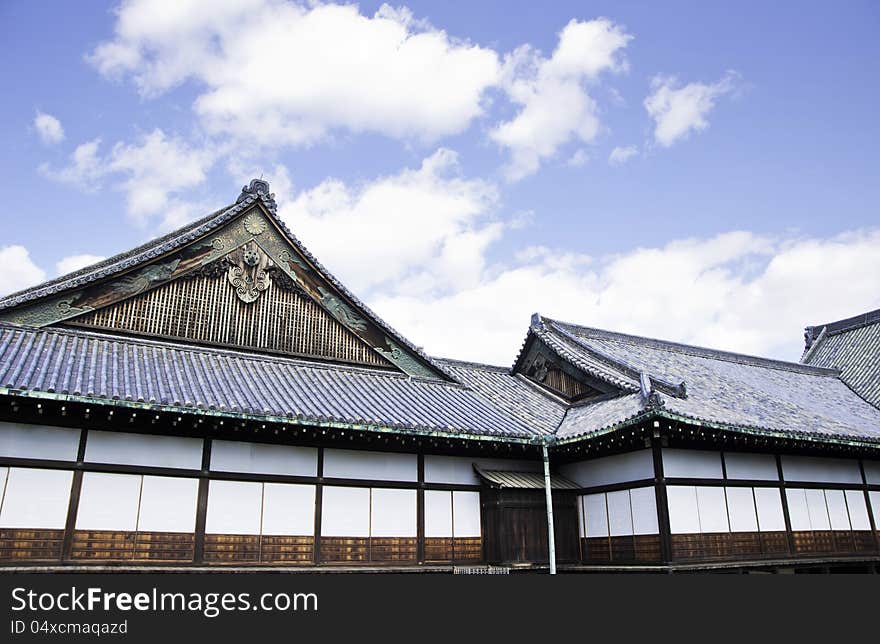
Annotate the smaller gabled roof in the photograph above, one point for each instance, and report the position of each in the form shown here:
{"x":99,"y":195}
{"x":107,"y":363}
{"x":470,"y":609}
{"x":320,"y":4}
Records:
{"x":851,"y":345}
{"x":725,"y":389}
{"x":505,"y":479}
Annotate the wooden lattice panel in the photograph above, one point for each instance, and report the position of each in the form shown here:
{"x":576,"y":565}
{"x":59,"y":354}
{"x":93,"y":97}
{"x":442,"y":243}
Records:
{"x":570,"y":387}
{"x":205,"y":309}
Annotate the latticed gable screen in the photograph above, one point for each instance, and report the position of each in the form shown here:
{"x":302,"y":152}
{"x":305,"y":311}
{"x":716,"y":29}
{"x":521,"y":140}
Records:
{"x":205,"y":309}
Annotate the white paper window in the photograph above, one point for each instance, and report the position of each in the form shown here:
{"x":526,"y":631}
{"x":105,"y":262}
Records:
{"x":692,"y":464}
{"x":858,"y":510}
{"x":874,"y":498}
{"x":234,"y":507}
{"x":798,"y":513}
{"x":377,"y":466}
{"x":288,"y":509}
{"x":345,"y":512}
{"x":815,"y":469}
{"x":872,"y":472}
{"x":108,"y":502}
{"x":684,"y":516}
{"x":466,"y":514}
{"x":837,"y":512}
{"x":596,"y":512}
{"x":168,"y":504}
{"x":768,"y":502}
{"x":713,"y":509}
{"x":393,"y":513}
{"x":644,"y":510}
{"x":755,"y":467}
{"x":818,"y":510}
{"x":438,"y":513}
{"x":620,"y":468}
{"x":19,"y":440}
{"x":741,"y":509}
{"x":619,"y":513}
{"x":144,"y":449}
{"x":459,"y":470}
{"x":36,"y":499}
{"x":261,"y":458}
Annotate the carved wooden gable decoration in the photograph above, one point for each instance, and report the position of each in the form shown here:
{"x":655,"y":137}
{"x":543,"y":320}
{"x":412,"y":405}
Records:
{"x":544,"y":367}
{"x":245,"y":284}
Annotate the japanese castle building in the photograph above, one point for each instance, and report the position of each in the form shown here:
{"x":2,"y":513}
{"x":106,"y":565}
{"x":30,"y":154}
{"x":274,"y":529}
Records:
{"x":216,"y":398}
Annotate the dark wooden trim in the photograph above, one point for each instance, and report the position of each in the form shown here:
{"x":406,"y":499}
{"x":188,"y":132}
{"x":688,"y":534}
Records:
{"x":81,"y":449}
{"x":420,"y":510}
{"x":319,"y":504}
{"x":784,"y":497}
{"x":615,"y":487}
{"x":723,"y":465}
{"x":661,"y":499}
{"x":72,"y":509}
{"x":871,"y":519}
{"x":202,"y":504}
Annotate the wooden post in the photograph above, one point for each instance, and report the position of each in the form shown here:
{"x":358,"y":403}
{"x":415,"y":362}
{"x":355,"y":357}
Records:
{"x":660,"y":497}
{"x":784,"y":498}
{"x":202,"y":504}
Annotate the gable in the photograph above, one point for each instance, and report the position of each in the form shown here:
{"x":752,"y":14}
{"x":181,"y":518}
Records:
{"x":229,"y":303}
{"x":238,"y":278}
{"x":544,"y":367}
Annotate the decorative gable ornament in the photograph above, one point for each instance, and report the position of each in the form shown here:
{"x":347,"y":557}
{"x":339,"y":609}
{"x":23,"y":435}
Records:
{"x":249,"y":271}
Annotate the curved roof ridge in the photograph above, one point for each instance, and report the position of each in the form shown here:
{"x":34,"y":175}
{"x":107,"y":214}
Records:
{"x":698,"y":351}
{"x":632,"y":371}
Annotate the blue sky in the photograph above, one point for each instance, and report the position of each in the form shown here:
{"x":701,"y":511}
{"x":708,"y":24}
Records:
{"x":455,"y":162}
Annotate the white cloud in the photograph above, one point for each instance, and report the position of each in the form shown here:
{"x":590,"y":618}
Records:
{"x":17,"y":269}
{"x":426,"y":229}
{"x":552,"y":92}
{"x":578,"y":159}
{"x":276,"y":72}
{"x":621,"y":155}
{"x":73,"y":263}
{"x":48,"y":128}
{"x":679,"y":110}
{"x":735,"y":291}
{"x":150,"y":172}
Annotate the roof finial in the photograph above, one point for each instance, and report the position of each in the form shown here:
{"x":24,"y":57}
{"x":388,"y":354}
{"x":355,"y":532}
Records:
{"x":258,"y":188}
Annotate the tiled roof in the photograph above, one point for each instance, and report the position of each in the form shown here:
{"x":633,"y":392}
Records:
{"x":724,"y":388}
{"x":92,"y":366}
{"x":509,"y":392}
{"x":853,"y":346}
{"x":524,"y":480}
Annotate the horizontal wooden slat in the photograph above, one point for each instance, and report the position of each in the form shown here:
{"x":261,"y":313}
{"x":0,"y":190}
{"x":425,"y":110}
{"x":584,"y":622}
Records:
{"x":232,"y":548}
{"x":19,"y":545}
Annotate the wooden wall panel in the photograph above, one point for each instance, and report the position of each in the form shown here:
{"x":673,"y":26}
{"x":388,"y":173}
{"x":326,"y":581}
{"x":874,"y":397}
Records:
{"x":345,"y":549}
{"x":467,"y":549}
{"x":103,"y":545}
{"x":393,"y":549}
{"x":647,"y":548}
{"x":22,"y":546}
{"x":287,"y":549}
{"x":164,"y":546}
{"x":232,"y":548}
{"x":438,"y":549}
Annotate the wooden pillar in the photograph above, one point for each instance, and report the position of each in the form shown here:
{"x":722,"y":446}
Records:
{"x":319,"y":502}
{"x":75,"y":490}
{"x":784,"y":497}
{"x":660,"y":496}
{"x":871,"y":518}
{"x":202,"y":504}
{"x":420,"y":511}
